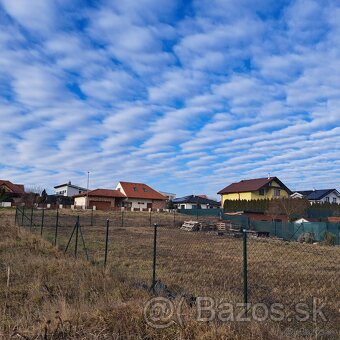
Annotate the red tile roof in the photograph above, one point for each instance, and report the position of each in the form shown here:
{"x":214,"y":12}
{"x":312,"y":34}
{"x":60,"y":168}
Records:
{"x":141,"y":190}
{"x":102,"y":193}
{"x":14,"y":188}
{"x":250,"y":185}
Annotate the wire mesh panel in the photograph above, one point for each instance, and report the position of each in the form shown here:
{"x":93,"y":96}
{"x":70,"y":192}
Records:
{"x":200,"y":263}
{"x":300,"y":277}
{"x":130,"y":251}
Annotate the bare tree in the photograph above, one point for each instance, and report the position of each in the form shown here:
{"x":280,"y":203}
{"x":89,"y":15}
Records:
{"x":288,"y":206}
{"x":35,"y":189}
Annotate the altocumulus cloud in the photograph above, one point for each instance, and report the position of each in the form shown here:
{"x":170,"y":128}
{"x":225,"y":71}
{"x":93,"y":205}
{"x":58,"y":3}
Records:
{"x":184,"y":95}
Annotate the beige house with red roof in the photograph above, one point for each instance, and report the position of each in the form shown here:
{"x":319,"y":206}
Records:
{"x":140,"y":196}
{"x":100,"y":199}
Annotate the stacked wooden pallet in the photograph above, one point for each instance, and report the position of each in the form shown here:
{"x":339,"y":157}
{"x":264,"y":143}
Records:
{"x":191,"y":226}
{"x":208,"y":226}
{"x":221,"y":226}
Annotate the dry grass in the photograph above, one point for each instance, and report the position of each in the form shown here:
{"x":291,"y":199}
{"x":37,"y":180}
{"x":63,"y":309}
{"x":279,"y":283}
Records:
{"x":51,"y":294}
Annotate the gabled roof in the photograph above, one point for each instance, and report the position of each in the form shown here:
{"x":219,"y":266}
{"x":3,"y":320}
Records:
{"x":250,"y":185}
{"x":315,"y":195}
{"x":102,"y":193}
{"x":14,"y":188}
{"x":141,"y":190}
{"x":195,"y":200}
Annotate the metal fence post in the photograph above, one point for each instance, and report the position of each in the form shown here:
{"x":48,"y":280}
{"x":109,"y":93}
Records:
{"x":76,"y":243}
{"x":22,"y":216}
{"x":245,"y":271}
{"x":42,"y":221}
{"x":31,"y":222}
{"x":154,"y":256}
{"x":16,"y":216}
{"x":106,"y":241}
{"x":56,"y":228}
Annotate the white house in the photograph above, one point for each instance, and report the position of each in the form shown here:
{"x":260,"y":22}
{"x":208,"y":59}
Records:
{"x":319,"y":196}
{"x":68,"y":189}
{"x":140,"y":196}
{"x":169,"y":196}
{"x":192,"y":202}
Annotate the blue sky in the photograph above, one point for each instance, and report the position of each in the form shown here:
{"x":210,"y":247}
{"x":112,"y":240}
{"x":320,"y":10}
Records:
{"x":187,"y":96}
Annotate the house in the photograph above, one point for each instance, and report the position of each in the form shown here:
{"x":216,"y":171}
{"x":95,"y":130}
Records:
{"x":192,"y":202}
{"x":68,"y":189}
{"x":169,"y":196}
{"x":318,"y":196}
{"x":11,"y":193}
{"x":100,"y":199}
{"x":254,"y":189}
{"x":305,"y":220}
{"x":140,"y":196}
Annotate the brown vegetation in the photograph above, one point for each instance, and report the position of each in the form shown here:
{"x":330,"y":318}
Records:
{"x":53,"y":296}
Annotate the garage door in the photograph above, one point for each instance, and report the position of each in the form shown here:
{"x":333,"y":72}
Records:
{"x":100,"y":205}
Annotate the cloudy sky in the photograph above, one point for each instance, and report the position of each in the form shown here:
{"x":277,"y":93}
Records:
{"x":186,"y":96}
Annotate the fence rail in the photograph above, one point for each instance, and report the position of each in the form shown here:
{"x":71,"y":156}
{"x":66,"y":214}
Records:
{"x":150,"y":249}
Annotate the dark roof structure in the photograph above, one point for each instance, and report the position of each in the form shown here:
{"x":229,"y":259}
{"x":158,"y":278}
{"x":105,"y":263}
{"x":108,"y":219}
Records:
{"x":102,"y":193}
{"x":195,"y":200}
{"x":251,"y":185}
{"x":315,"y":195}
{"x":70,"y":185}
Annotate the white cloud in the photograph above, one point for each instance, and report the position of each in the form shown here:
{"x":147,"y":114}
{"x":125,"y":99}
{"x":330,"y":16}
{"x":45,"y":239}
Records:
{"x":186,"y":97}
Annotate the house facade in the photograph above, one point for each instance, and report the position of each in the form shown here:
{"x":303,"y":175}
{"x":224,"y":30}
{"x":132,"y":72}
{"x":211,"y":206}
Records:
{"x":140,"y":196}
{"x":99,"y":199}
{"x":68,"y":189}
{"x":319,"y":196}
{"x":169,"y":196}
{"x":193,"y":202}
{"x":12,"y":193}
{"x":254,"y":189}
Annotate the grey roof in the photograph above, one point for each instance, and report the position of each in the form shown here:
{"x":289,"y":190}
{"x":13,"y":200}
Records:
{"x":315,"y":195}
{"x":195,"y":200}
{"x":70,"y":185}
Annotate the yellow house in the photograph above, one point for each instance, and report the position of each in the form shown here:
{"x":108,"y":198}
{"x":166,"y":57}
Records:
{"x":254,"y":189}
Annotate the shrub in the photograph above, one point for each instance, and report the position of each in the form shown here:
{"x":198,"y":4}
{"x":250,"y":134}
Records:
{"x":306,"y":238}
{"x":329,"y":238}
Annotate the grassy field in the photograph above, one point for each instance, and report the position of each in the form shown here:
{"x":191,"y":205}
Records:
{"x":108,"y":303}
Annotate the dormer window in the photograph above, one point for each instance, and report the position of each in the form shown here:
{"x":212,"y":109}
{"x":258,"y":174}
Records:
{"x":145,"y":190}
{"x":134,"y":188}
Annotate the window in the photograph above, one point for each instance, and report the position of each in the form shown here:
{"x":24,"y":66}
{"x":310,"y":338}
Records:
{"x":327,"y":199}
{"x":276,"y":192}
{"x":134,"y":188}
{"x":145,"y":190}
{"x":261,"y":192}
{"x":334,"y":199}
